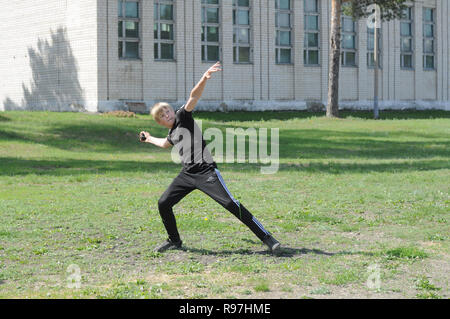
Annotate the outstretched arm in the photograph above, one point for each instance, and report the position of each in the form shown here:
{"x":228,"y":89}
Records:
{"x":161,"y":142}
{"x":197,"y":91}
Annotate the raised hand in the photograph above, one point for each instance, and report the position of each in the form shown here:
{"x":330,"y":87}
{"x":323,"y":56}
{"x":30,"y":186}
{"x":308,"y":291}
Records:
{"x":215,"y":68}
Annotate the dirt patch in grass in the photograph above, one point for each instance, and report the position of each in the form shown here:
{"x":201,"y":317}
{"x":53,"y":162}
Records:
{"x":120,"y":114}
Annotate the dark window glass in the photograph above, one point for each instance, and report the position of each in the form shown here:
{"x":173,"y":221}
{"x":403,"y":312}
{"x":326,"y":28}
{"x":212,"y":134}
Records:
{"x":405,"y":29}
{"x":284,"y":20}
{"x":285,"y":55}
{"x":428,"y":46}
{"x":407,"y":61}
{"x":166,"y":51}
{"x":406,"y":45}
{"x":120,"y":29}
{"x":285,"y":4}
{"x":131,"y":29}
{"x":243,"y":17}
{"x":119,"y":8}
{"x":348,"y":58}
{"x":407,"y":14}
{"x":244,"y":36}
{"x":131,"y":9}
{"x":348,"y":25}
{"x":312,"y":23}
{"x":212,"y":34}
{"x":166,"y":12}
{"x":212,"y":52}
{"x":132,"y":50}
{"x":429,"y":62}
{"x":428,"y":30}
{"x":311,"y":57}
{"x":284,"y":38}
{"x":212,"y":15}
{"x":311,"y":6}
{"x":428,"y":15}
{"x":311,"y":40}
{"x":348,"y":42}
{"x":166,"y":31}
{"x":244,"y":54}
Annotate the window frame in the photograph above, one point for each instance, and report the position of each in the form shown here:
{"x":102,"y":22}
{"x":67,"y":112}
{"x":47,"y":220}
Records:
{"x":371,"y":51}
{"x":237,"y":27}
{"x":124,"y":39}
{"x":432,"y":38}
{"x":205,"y":24}
{"x":278,"y":29}
{"x":306,"y":48}
{"x":157,"y":20}
{"x":354,"y":34}
{"x":403,"y":53}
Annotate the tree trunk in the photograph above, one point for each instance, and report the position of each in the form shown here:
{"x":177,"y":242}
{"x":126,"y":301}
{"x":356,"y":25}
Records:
{"x":335,"y":52}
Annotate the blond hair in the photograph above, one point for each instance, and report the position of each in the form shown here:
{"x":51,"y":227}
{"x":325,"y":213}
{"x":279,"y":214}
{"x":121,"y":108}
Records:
{"x":158,"y":108}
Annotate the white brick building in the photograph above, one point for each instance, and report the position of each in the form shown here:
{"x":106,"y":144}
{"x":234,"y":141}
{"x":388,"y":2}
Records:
{"x":102,"y":54}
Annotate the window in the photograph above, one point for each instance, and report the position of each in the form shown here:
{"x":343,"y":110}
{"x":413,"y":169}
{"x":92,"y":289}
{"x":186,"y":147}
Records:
{"x":241,"y":31}
{"x":283,"y":32}
{"x":312,"y":31}
{"x":371,"y":47}
{"x":406,"y":38}
{"x":428,"y":39}
{"x":163,"y":30}
{"x":210,"y":31}
{"x":348,"y":50}
{"x":128,"y":17}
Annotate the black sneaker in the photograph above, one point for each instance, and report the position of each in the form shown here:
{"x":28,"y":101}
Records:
{"x":272,"y":243}
{"x":168,"y":244}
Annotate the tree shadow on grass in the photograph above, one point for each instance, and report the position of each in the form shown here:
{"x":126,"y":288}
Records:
{"x":324,"y":144}
{"x":105,"y":135}
{"x":4,"y":118}
{"x":12,"y":166}
{"x":92,"y":137}
{"x":293,"y":144}
{"x":337,"y":168}
{"x":306,"y":150}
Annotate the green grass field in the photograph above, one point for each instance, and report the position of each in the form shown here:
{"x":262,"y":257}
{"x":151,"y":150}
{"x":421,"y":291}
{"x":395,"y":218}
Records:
{"x":361,"y":208}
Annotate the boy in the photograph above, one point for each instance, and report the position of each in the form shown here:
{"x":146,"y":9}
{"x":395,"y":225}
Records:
{"x":199,"y":169}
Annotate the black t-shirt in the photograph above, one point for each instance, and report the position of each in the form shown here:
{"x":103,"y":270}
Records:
{"x":187,"y":137}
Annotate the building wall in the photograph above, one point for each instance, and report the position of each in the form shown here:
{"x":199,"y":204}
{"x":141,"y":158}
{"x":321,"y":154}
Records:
{"x":263,"y":84}
{"x":64,"y":54}
{"x":49,"y":51}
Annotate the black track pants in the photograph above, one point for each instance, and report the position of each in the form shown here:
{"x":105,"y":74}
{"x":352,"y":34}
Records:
{"x":212,"y":184}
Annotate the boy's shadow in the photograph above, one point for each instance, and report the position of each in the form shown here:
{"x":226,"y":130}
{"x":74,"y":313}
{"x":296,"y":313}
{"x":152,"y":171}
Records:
{"x":283,"y":252}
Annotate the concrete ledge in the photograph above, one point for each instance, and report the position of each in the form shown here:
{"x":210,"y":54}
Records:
{"x":234,"y":105}
{"x":247,"y":105}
